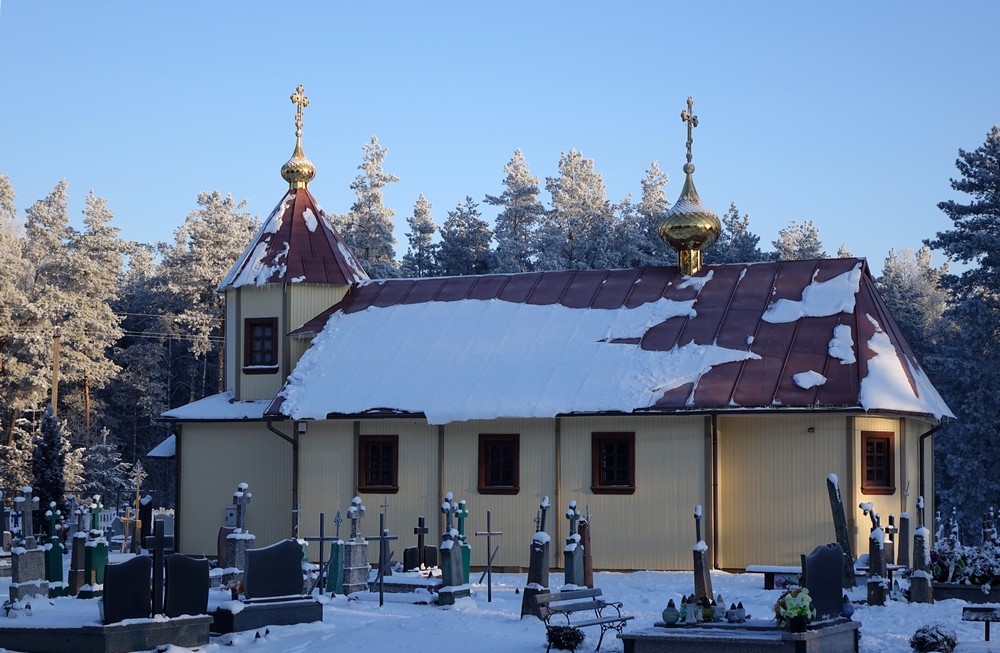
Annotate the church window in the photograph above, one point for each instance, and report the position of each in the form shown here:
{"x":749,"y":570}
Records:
{"x":499,"y":463}
{"x":378,"y":463}
{"x":260,"y":345}
{"x":613,"y":458}
{"x":877,"y":462}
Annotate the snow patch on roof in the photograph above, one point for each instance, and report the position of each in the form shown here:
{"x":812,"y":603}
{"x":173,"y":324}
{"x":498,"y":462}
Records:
{"x":809,"y":379}
{"x":696,"y":282}
{"x":310,"y":219}
{"x":166,"y":449}
{"x":222,"y":406}
{"x":462,"y":360}
{"x":819,"y":299}
{"x":358,"y":274}
{"x":887,"y":387}
{"x":842,"y":345}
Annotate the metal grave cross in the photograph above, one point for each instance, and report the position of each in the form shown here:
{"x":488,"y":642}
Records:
{"x":544,"y":508}
{"x":126,"y":522}
{"x":384,"y":555}
{"x":322,"y":539}
{"x":338,"y":520}
{"x":490,"y":534}
{"x":241,"y":499}
{"x":420,"y":530}
{"x":697,"y":523}
{"x":356,"y":513}
{"x":573,"y":515}
{"x":692,"y":121}
{"x":159,"y":544}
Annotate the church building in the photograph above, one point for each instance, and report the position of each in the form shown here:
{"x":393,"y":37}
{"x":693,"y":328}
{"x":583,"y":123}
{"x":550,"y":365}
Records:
{"x":640,"y":394}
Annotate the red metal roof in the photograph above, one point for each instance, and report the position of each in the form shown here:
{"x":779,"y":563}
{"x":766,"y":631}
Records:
{"x":296,"y":244}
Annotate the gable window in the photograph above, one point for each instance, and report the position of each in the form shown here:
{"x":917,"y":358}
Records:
{"x":877,"y":462}
{"x":260,"y":345}
{"x":378,"y":463}
{"x":613,"y":460}
{"x":499,"y":463}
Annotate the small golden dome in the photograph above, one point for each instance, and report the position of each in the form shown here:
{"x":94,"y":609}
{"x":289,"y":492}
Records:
{"x":298,"y":171}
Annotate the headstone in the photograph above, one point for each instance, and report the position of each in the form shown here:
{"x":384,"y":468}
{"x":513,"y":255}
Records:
{"x":921,"y":588}
{"x":453,"y":583}
{"x":384,"y":557}
{"x":822,"y":575}
{"x":126,"y":593}
{"x":461,"y":515}
{"x":890,"y":541}
{"x":489,"y":533}
{"x":538,"y":563}
{"x":158,"y":544}
{"x":422,"y":555}
{"x":573,"y":551}
{"x":168,"y":523}
{"x":274,"y":571}
{"x":118,"y":526}
{"x":77,"y":564}
{"x":877,"y":574}
{"x":221,"y":545}
{"x":188,"y":585}
{"x":335,"y":568}
{"x":239,"y":541}
{"x":356,"y":567}
{"x":588,"y":555}
{"x":28,"y":574}
{"x":702,"y":569}
{"x":903,"y":541}
{"x":848,"y":579}
{"x":145,"y":518}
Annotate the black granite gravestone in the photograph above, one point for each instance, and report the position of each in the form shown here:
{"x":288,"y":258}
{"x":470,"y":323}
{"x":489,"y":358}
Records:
{"x":274,"y":570}
{"x":822,"y":575}
{"x":126,"y":590}
{"x":224,"y":533}
{"x":146,"y":516}
{"x":188,"y":585}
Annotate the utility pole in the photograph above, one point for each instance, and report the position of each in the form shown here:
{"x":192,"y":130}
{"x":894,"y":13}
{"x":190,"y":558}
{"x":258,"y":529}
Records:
{"x":55,"y":372}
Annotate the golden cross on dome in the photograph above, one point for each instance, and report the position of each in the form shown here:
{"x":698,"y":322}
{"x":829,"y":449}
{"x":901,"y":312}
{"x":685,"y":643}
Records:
{"x":686,"y":116}
{"x":302,"y":101}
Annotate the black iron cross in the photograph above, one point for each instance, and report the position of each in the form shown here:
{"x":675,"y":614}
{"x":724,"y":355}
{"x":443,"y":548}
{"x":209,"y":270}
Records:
{"x":384,"y":555}
{"x":158,"y":544}
{"x":420,"y":530}
{"x":322,"y":539}
{"x":489,"y":533}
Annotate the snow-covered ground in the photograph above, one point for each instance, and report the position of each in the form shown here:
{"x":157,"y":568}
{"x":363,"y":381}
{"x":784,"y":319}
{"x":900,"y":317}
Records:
{"x":473,"y":624}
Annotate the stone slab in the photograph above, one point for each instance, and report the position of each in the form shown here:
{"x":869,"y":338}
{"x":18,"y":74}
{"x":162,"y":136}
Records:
{"x":114,"y":638}
{"x":839,"y":637}
{"x":270,"y":613}
{"x":967,"y":593}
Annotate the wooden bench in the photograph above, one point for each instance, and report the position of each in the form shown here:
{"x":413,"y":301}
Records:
{"x":556,"y":609}
{"x":770,"y":571}
{"x":984,"y":613}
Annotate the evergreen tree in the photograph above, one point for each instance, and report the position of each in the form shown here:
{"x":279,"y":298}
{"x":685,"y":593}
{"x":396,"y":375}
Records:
{"x":911,"y":289}
{"x":465,"y":242}
{"x":11,"y":299}
{"x":577,"y":230}
{"x":654,"y":200}
{"x":967,"y":367}
{"x":49,"y":461}
{"x":104,"y":472}
{"x":736,"y":243}
{"x":843,"y":252}
{"x":518,"y":220}
{"x":16,"y":456}
{"x":419,"y":258}
{"x":8,"y":212}
{"x":799,"y":242}
{"x":635,"y":241}
{"x":367,"y":229}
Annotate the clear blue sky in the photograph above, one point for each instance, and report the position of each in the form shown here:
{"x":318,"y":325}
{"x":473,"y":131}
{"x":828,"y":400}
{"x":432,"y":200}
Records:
{"x":849,"y":114}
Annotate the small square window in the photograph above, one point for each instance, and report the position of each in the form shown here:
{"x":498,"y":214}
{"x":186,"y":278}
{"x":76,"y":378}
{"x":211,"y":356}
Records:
{"x":613,"y":458}
{"x":378,"y":463}
{"x":877,"y":462}
{"x":260,"y":345}
{"x":499,"y":463}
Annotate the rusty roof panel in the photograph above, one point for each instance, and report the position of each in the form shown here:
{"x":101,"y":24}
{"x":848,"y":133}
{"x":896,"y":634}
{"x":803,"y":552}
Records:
{"x":615,"y":289}
{"x":583,"y":288}
{"x":651,"y":285}
{"x":455,"y":288}
{"x":424,"y":292}
{"x":550,"y":288}
{"x":518,"y":287}
{"x":488,"y":287}
{"x":392,"y":293}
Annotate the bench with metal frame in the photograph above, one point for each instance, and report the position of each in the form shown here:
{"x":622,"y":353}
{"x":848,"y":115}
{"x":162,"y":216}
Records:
{"x":983,"y":613}
{"x":556,"y":608}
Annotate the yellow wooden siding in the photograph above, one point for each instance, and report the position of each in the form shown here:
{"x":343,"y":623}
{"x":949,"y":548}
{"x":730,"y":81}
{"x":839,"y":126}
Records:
{"x":773,"y":502}
{"x":653,"y":528}
{"x":884,"y":504}
{"x":309,"y":300}
{"x":231,"y":342}
{"x":259,"y":302}
{"x":326,"y":463}
{"x":215,"y":459}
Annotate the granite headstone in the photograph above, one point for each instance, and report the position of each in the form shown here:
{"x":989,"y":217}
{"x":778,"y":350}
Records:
{"x":274,"y":570}
{"x":822,"y":572}
{"x":126,"y":590}
{"x":188,"y":585}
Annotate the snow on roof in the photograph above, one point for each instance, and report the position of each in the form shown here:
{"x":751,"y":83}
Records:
{"x":548,"y":343}
{"x":166,"y":449}
{"x":296,"y":244}
{"x":220,"y":407}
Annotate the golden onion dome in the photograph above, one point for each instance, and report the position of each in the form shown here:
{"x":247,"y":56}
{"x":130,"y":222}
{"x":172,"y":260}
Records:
{"x":298,"y":171}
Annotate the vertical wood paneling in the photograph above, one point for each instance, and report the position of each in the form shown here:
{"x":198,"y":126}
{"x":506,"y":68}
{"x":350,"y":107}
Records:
{"x":232,"y":341}
{"x":216,"y":458}
{"x":260,"y":302}
{"x":325,"y":477}
{"x":885,"y":504}
{"x":309,"y":300}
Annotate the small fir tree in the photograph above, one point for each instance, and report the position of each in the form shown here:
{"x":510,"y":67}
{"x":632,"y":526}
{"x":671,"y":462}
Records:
{"x":465,"y":242}
{"x":518,"y":220}
{"x":48,"y":463}
{"x":736,"y":243}
{"x":799,"y":242}
{"x":419,"y":258}
{"x":368,"y":228}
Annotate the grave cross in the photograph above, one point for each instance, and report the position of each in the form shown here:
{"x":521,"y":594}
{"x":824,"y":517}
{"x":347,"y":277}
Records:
{"x":356,"y":513}
{"x":420,"y":530}
{"x":338,"y":520}
{"x":158,"y":544}
{"x":322,"y":539}
{"x":489,"y":533}
{"x":868,"y":509}
{"x":544,"y":508}
{"x":95,"y":516}
{"x":28,"y":513}
{"x":126,"y":522}
{"x":449,"y":508}
{"x":573,"y":515}
{"x":52,"y":515}
{"x":692,"y":121}
{"x":461,"y":514}
{"x":384,"y":555}
{"x":385,"y":504}
{"x":241,"y":499}
{"x":697,"y":523}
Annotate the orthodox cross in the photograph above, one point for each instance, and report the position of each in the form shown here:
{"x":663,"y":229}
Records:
{"x":462,"y":514}
{"x":95,"y":515}
{"x":692,"y":121}
{"x":537,"y":520}
{"x":385,"y":504}
{"x":573,"y":515}
{"x":356,"y":513}
{"x":241,"y":499}
{"x":868,"y":509}
{"x":138,"y":476}
{"x":449,"y":508}
{"x":420,"y":530}
{"x":544,"y":509}
{"x":158,"y":544}
{"x":322,"y":539}
{"x":52,"y":515}
{"x":300,"y":100}
{"x":489,"y":533}
{"x":384,"y":555}
{"x":126,"y":522}
{"x":338,"y":520}
{"x":27,"y":513}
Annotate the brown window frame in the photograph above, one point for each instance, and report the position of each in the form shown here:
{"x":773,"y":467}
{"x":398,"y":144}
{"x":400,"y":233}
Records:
{"x":888,"y":486}
{"x":485,"y":440}
{"x":248,"y":326}
{"x":364,"y":463}
{"x":597,"y":439}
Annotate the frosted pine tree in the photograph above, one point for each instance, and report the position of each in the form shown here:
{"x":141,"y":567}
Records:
{"x":654,"y":199}
{"x":910,"y":286}
{"x":419,"y":258}
{"x":967,"y":365}
{"x":736,"y":243}
{"x":577,"y":231}
{"x":104,"y":472}
{"x":367,"y":229}
{"x":843,"y":252}
{"x":16,"y":453}
{"x":11,"y":297}
{"x":799,"y":242}
{"x":49,"y":461}
{"x":517,"y":221}
{"x":465,"y":242}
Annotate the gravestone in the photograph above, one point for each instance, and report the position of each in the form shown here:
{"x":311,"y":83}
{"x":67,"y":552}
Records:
{"x":890,"y":540}
{"x":702,"y":569}
{"x":490,"y":534}
{"x":240,"y":540}
{"x":145,"y":518}
{"x":921,"y":588}
{"x":538,"y":563}
{"x":848,"y":579}
{"x":822,"y":575}
{"x":118,"y":525}
{"x":77,"y":563}
{"x":126,"y":592}
{"x":274,"y":571}
{"x":168,"y":523}
{"x":95,"y":557}
{"x":54,"y":554}
{"x":903,"y":541}
{"x":573,"y":552}
{"x":461,"y":515}
{"x":877,"y":574}
{"x":356,"y":567}
{"x":188,"y":585}
{"x":335,"y":568}
{"x":27,"y":560}
{"x":453,"y":584}
{"x":422,"y":555}
{"x":158,"y":544}
{"x":588,"y":555}
{"x":221,"y":546}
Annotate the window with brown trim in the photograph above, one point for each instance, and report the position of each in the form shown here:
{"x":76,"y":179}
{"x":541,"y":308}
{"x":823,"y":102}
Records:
{"x":877,"y":462}
{"x":613,"y":458}
{"x":499,"y":463}
{"x":260,"y":345}
{"x":378,"y":463}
